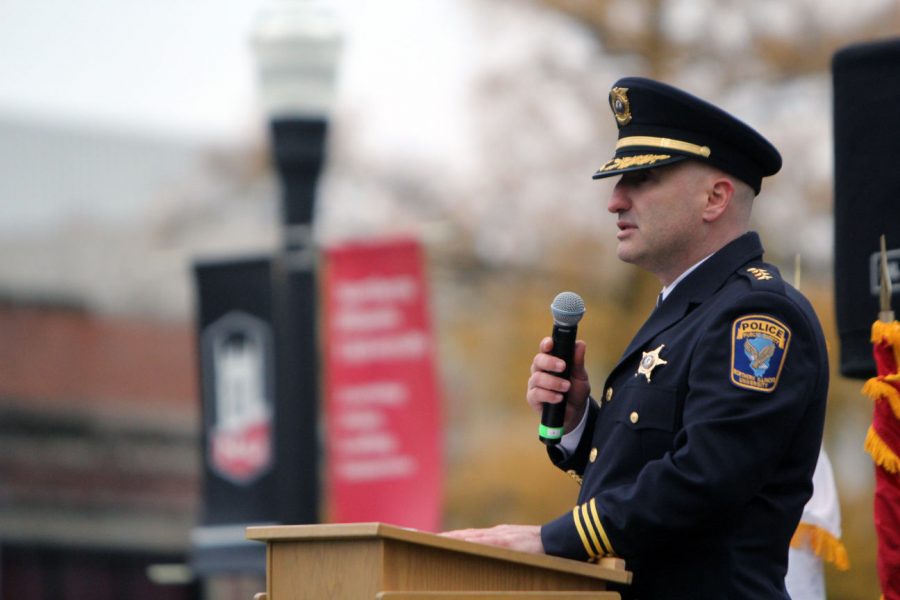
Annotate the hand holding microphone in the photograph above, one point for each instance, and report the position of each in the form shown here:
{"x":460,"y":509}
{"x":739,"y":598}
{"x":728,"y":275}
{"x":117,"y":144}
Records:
{"x":567,"y":310}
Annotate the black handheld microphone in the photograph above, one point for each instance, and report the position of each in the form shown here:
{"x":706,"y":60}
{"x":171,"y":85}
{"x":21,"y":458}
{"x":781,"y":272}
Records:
{"x":567,"y":309}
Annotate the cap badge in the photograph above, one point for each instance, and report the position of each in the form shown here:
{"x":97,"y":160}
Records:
{"x":649,"y":361}
{"x":621,"y":107}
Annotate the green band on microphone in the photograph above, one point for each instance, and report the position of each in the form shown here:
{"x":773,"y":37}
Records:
{"x":550,"y":433}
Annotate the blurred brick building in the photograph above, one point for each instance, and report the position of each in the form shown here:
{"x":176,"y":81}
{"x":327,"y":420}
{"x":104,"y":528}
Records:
{"x":99,"y":465}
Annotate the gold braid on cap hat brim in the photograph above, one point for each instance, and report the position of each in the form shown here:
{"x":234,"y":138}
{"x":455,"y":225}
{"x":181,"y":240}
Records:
{"x":660,"y":142}
{"x":626,"y":162}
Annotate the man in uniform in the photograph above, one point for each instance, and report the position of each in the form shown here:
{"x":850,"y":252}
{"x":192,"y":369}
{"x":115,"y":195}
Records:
{"x":696,"y":456}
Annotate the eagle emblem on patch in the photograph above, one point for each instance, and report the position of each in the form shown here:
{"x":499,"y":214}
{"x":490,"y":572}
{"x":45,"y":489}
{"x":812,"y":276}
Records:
{"x":759,"y":344}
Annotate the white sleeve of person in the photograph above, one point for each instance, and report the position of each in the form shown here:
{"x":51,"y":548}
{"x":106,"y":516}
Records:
{"x":569,"y":441}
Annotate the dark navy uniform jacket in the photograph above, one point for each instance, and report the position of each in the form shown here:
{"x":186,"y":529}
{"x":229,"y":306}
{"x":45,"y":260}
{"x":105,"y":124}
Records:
{"x":698,"y":458}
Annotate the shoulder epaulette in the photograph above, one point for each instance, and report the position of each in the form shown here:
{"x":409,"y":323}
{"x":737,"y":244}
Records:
{"x":763,"y":276}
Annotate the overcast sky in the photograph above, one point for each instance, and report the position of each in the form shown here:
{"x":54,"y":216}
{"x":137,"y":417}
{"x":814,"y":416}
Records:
{"x":186,"y":72}
{"x":186,"y":69}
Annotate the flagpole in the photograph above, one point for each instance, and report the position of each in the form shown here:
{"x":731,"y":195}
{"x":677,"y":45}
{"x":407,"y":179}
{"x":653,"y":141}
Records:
{"x":887,"y":314}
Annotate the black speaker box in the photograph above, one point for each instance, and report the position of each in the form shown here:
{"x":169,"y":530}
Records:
{"x":866,"y":81}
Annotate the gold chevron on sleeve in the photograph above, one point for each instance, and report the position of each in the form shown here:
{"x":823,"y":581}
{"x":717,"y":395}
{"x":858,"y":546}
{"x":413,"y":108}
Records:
{"x":584,"y":540}
{"x":590,"y":529}
{"x":596,"y":517}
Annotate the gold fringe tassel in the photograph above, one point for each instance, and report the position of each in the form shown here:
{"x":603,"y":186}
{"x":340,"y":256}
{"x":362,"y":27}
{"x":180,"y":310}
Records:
{"x":888,"y":333}
{"x":826,"y":546}
{"x":877,"y":389}
{"x":881,"y":453}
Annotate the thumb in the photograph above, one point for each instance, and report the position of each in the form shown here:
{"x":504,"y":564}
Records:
{"x":546,"y":344}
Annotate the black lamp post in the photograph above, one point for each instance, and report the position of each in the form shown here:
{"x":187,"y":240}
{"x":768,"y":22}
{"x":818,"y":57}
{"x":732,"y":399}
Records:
{"x":297,"y":43}
{"x":258,"y":315}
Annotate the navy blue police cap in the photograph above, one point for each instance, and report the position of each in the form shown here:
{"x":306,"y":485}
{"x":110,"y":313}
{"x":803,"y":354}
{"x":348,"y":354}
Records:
{"x":660,"y":124}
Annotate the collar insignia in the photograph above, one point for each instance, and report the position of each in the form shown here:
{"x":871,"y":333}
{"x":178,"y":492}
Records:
{"x":649,"y":361}
{"x":621,"y":107}
{"x":760,"y":274}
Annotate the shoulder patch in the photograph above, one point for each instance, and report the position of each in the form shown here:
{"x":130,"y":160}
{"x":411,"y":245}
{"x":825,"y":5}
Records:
{"x":759,"y":345}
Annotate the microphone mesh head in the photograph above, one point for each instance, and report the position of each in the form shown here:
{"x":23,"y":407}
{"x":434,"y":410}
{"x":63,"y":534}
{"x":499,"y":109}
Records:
{"x":567,"y":308}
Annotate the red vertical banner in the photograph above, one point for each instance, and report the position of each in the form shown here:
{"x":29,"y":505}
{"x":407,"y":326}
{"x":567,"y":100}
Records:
{"x":383,"y":409}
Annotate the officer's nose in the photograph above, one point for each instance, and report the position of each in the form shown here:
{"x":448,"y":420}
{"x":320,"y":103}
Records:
{"x":619,"y":199}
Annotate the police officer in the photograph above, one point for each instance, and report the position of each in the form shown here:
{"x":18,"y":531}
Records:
{"x":695,"y":457}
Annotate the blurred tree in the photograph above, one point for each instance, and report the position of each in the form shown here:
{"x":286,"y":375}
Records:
{"x":785,"y":39}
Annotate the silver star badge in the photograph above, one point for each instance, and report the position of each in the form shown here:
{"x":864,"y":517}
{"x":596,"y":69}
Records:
{"x":649,"y":361}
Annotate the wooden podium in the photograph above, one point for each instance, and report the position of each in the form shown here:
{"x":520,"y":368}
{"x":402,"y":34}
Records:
{"x":374,"y":561}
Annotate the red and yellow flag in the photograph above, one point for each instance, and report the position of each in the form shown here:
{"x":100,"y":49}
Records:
{"x":883,"y":443}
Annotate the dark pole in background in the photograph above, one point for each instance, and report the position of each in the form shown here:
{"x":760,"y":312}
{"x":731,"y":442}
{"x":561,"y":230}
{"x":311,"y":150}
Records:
{"x":257,"y":316}
{"x":297,"y":44}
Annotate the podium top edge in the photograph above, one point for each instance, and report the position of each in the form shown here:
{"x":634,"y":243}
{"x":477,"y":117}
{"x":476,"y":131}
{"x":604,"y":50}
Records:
{"x":324,"y":531}
{"x":361,"y":531}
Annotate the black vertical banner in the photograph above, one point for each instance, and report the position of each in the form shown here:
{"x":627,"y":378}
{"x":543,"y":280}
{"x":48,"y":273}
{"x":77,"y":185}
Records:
{"x":256,"y":468}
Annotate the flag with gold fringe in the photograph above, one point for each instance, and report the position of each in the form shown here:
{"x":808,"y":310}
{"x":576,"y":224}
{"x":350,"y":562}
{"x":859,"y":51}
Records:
{"x":819,"y":530}
{"x":883,"y":443}
{"x":817,"y":540}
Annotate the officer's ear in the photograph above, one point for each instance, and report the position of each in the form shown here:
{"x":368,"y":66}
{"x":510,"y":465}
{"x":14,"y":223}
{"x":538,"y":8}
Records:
{"x":719,"y":196}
